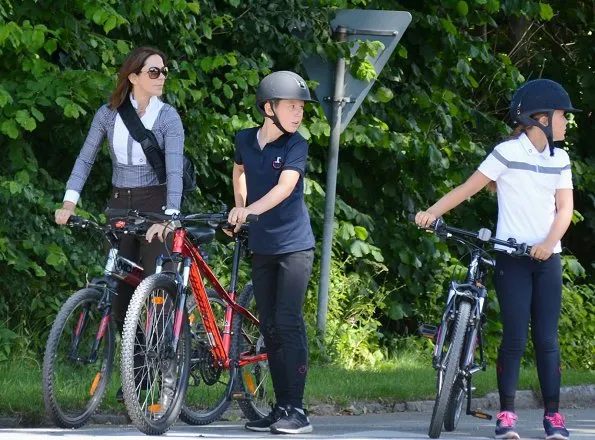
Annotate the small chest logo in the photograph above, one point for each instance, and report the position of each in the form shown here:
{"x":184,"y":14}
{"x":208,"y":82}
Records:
{"x":278,"y":163}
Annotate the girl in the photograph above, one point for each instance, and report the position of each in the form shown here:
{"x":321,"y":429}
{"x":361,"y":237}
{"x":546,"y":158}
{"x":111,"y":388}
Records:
{"x":535,"y":206}
{"x":135,"y":183}
{"x":268,"y":180}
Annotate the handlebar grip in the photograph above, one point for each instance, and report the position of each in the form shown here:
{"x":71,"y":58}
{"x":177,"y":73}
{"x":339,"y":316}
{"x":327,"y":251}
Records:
{"x":75,"y":220}
{"x":252,"y":217}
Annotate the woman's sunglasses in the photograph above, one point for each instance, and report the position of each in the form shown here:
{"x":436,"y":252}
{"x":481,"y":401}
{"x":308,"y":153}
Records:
{"x":154,"y":72}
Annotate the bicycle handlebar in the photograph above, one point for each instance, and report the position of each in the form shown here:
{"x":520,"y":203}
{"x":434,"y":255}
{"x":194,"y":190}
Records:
{"x":439,"y":227}
{"x":219,"y":218}
{"x":126,"y":228}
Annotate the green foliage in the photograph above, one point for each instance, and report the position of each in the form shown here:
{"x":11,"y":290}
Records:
{"x":436,"y":109}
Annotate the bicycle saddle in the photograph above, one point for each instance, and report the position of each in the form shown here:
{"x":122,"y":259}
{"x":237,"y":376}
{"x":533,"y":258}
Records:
{"x":200,"y":234}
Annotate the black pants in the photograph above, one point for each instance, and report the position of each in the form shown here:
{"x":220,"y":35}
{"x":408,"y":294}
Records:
{"x":280,"y":284}
{"x":529,"y":291}
{"x":136,"y":247}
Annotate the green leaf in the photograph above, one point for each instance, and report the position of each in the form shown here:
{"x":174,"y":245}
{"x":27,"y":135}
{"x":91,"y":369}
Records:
{"x":50,"y":46}
{"x":122,"y":47}
{"x":227,"y":91}
{"x":463,"y":7}
{"x":384,"y":94}
{"x":25,"y":120}
{"x":217,"y":83}
{"x":194,"y":7}
{"x":359,"y":248}
{"x":5,"y":97}
{"x":234,"y":3}
{"x":545,"y":11}
{"x":361,"y":232}
{"x":448,"y":26}
{"x":110,"y":24}
{"x":9,"y":128}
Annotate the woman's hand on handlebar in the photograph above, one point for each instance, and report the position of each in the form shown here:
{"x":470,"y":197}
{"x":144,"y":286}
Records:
{"x":425,"y":219}
{"x":63,"y":214}
{"x":541,"y":251}
{"x":237,"y":216}
{"x":161,"y":230}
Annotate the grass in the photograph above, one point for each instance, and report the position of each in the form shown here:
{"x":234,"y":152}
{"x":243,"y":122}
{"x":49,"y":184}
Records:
{"x":409,"y":377}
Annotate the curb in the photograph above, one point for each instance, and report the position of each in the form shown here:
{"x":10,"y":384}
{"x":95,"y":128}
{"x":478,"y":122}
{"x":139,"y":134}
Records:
{"x":581,"y":396}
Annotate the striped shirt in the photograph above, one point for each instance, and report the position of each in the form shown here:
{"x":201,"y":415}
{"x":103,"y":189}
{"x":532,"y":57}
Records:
{"x":129,"y":164}
{"x":527,"y":181}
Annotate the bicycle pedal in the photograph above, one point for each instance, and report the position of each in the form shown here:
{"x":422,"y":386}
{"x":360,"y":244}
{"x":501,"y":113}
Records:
{"x":242,"y":395}
{"x":428,"y":331}
{"x":480,"y":415}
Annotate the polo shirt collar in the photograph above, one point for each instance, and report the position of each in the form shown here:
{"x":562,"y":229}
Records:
{"x":530,"y":149}
{"x":279,"y":142}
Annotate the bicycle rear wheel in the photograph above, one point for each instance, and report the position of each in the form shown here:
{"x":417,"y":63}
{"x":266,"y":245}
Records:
{"x":76,"y":371}
{"x":208,"y":392}
{"x":154,"y":376}
{"x":254,"y":380}
{"x":451,"y":366}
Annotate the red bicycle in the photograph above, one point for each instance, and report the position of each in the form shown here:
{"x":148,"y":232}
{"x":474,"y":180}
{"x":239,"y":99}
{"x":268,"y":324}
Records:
{"x":206,"y":342}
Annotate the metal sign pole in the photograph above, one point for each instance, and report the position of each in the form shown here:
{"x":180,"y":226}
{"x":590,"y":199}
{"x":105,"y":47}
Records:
{"x":331,"y":187}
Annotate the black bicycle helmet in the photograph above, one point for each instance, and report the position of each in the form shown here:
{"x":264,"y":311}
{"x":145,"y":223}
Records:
{"x":540,"y":96}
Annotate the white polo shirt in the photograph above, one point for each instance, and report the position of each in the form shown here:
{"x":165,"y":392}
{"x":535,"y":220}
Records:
{"x":527,"y":181}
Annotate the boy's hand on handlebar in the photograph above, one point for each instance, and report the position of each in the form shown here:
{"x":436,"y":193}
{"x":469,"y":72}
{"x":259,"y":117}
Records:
{"x":541,"y":251}
{"x":237,"y":216}
{"x":425,"y":219}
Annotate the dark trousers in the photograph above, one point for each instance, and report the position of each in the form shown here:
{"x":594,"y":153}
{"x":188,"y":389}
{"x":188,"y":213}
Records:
{"x":136,"y":247}
{"x":529,"y":291}
{"x":280,"y":284}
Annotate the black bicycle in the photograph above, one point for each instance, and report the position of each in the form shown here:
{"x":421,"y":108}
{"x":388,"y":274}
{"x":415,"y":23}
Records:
{"x":458,"y":350}
{"x":80,"y":351}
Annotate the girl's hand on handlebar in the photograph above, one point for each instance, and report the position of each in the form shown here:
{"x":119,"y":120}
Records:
{"x":237,"y":216}
{"x":541,"y":251}
{"x":424,"y":219}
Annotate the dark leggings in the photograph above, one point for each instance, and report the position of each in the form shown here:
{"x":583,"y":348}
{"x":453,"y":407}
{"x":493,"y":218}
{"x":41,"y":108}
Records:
{"x":280,"y":284}
{"x":529,"y":291}
{"x":133,"y":247}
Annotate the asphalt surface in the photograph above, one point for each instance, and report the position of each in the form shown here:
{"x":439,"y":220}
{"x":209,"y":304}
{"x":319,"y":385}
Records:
{"x":400,"y":425}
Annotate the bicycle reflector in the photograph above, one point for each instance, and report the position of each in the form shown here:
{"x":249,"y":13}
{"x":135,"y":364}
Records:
{"x":120,"y":224}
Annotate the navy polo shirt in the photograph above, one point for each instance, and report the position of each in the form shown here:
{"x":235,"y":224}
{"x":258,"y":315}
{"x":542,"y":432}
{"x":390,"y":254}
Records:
{"x":285,"y":228}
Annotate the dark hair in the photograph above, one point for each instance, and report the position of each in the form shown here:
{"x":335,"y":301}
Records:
{"x":133,"y":63}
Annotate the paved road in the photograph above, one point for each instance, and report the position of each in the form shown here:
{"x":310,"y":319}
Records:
{"x":402,"y":426}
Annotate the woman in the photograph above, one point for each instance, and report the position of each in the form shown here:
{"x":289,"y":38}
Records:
{"x":135,"y":183}
{"x":535,"y":205}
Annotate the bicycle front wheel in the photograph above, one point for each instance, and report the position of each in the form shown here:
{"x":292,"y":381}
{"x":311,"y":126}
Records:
{"x":209,"y":385}
{"x":154,"y":375}
{"x":451,"y":369}
{"x":253,"y":382}
{"x":78,"y":359}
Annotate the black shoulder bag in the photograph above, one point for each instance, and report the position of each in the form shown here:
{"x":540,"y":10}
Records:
{"x":146,"y":138}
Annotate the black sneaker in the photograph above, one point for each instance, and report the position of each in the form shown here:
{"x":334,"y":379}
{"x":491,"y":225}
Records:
{"x":264,"y":424}
{"x":292,"y":422}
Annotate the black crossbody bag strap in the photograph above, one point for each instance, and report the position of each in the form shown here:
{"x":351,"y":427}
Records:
{"x":144,"y":137}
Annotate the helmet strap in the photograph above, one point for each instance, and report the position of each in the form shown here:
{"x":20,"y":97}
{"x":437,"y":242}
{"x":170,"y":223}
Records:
{"x":275,"y":119}
{"x":546,"y":129}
